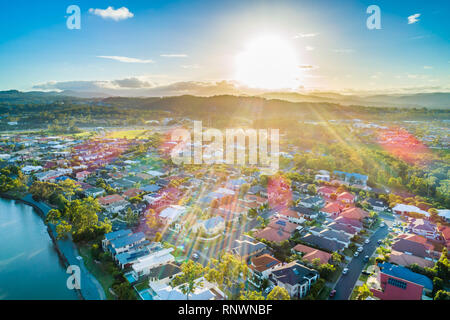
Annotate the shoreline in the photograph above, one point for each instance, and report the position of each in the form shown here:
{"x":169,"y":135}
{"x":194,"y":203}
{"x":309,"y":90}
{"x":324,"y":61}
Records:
{"x":62,"y":257}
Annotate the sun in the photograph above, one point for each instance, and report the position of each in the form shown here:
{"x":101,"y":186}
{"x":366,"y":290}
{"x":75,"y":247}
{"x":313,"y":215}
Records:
{"x":268,"y":62}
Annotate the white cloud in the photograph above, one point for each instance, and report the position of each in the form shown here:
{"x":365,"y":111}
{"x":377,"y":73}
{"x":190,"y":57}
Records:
{"x":413,"y":19}
{"x":171,"y":55}
{"x":309,"y":48}
{"x":126,"y":59}
{"x":114,"y":14}
{"x":305,"y":35}
{"x":427,"y":67}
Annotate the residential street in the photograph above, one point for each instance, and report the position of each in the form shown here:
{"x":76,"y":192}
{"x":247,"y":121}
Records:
{"x":345,"y":284}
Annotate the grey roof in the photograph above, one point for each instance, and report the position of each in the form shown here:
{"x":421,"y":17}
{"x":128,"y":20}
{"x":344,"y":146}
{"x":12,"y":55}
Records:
{"x":417,"y":249}
{"x":323,"y":243}
{"x":127,"y":240}
{"x":117,"y":234}
{"x":294,"y":273}
{"x":165,"y":271}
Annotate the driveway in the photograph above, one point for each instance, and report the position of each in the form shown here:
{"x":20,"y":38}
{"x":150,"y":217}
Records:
{"x":345,"y":284}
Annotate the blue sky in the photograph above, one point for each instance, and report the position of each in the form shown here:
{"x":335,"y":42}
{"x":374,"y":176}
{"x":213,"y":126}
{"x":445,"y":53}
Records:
{"x":192,"y":42}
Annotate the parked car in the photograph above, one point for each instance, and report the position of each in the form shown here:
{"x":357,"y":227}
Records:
{"x":268,"y":289}
{"x":360,"y":249}
{"x":356,"y":254}
{"x":332,"y":293}
{"x":380,"y":241}
{"x":367,"y":241}
{"x":382,"y":225}
{"x":195,"y":256}
{"x":345,"y":271}
{"x":366,"y":258}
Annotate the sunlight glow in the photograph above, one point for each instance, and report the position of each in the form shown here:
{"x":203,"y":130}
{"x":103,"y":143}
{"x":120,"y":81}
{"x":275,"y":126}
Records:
{"x":268,"y":62}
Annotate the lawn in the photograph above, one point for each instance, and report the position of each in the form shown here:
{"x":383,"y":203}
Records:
{"x":324,"y":294}
{"x":128,"y":134}
{"x":141,"y":286}
{"x":105,"y":279}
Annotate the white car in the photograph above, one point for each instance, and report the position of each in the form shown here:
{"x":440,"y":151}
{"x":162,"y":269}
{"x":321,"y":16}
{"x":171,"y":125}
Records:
{"x":268,"y":289}
{"x":195,"y":256}
{"x":356,"y":254}
{"x":367,"y":241}
{"x":360,"y":249}
{"x":345,"y":271}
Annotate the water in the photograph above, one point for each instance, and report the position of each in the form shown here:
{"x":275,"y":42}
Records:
{"x":30,"y":268}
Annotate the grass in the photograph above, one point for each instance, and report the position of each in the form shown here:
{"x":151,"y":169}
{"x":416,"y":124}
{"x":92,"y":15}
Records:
{"x":106,"y":280}
{"x":336,"y":274}
{"x":128,"y":134}
{"x":324,"y":294}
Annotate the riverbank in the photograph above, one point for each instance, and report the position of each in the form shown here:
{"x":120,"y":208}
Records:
{"x":67,"y":252}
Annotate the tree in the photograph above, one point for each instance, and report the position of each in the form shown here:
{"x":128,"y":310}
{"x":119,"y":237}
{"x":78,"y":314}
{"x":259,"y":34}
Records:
{"x":364,"y":292}
{"x":188,"y":280}
{"x":251,"y":295}
{"x":69,"y":188}
{"x":442,"y":295}
{"x":131,"y":218}
{"x":227,"y":270}
{"x":326,"y":270}
{"x":63,"y":229}
{"x":278,"y":293}
{"x":83,"y":214}
{"x":336,"y":257}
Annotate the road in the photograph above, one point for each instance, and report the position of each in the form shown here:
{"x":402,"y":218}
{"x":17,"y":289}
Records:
{"x":345,"y":284}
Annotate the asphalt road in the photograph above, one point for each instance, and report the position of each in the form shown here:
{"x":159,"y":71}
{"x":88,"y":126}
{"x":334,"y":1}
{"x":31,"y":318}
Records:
{"x":345,"y":284}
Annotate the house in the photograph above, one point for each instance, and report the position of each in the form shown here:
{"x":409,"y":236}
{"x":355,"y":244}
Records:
{"x":277,"y":230}
{"x":346,"y":197}
{"x":377,"y":205}
{"x":208,"y":291}
{"x":113,"y":203}
{"x":261,"y":267}
{"x":445,"y":232}
{"x":247,"y":247}
{"x":350,"y":231}
{"x":114,"y":235}
{"x":312,"y":201}
{"x":171,"y":214}
{"x":352,"y":178}
{"x":164,"y":274}
{"x":211,"y":226}
{"x":354,"y":214}
{"x":326,"y":191}
{"x":405,"y":209}
{"x":400,"y":283}
{"x":322,"y":177}
{"x":81,"y":176}
{"x":406,"y":259}
{"x":292,"y":216}
{"x":131,"y":193}
{"x":354,"y":223}
{"x":144,"y":265}
{"x":126,"y":243}
{"x":296,"y":278}
{"x":332,"y":209}
{"x":31,"y":169}
{"x":311,"y":254}
{"x":323,"y":243}
{"x":94,"y":192}
{"x":333,"y":235}
{"x":423,"y":227}
{"x":411,"y":247}
{"x":306,"y":213}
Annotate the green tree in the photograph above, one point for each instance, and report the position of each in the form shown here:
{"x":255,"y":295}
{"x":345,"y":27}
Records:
{"x":227,"y":270}
{"x":251,"y":295}
{"x":364,"y":292}
{"x":442,"y":295}
{"x":278,"y":293}
{"x":188,"y":279}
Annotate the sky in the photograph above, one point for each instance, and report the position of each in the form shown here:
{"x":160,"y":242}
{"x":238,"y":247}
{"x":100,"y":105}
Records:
{"x":213,"y":47}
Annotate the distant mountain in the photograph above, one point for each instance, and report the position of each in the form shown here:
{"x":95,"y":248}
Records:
{"x":435,"y":100}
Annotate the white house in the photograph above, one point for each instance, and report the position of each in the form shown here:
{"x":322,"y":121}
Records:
{"x":172,"y":213}
{"x":144,"y":265}
{"x":31,"y":169}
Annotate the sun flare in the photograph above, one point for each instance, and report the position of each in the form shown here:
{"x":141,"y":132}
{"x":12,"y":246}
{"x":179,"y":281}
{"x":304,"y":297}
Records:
{"x":268,"y":62}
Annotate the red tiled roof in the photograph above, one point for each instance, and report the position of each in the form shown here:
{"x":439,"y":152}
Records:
{"x":264,"y":262}
{"x":354,"y":213}
{"x":311,"y":253}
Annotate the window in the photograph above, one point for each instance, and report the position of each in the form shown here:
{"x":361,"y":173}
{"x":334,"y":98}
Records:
{"x":397,"y":283}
